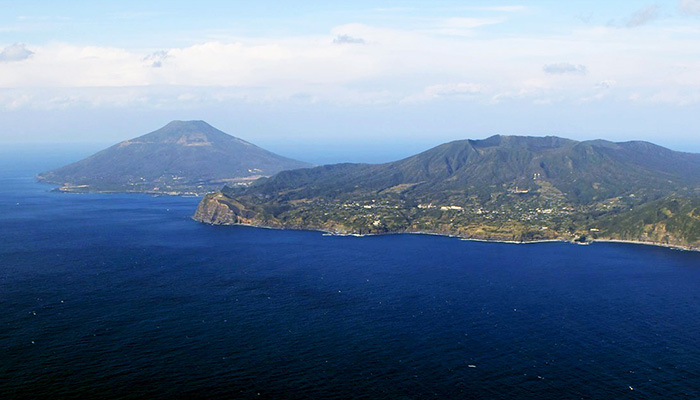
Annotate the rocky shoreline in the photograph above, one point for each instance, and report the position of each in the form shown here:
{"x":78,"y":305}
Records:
{"x":216,"y":209}
{"x":471,"y":239}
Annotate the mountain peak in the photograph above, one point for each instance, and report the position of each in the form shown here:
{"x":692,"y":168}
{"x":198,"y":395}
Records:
{"x":533,"y":142}
{"x":182,"y":155}
{"x":184,"y":132}
{"x":193,"y":124}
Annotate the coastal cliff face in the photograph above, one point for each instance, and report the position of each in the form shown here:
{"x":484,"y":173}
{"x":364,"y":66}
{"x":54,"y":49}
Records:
{"x":503,"y":188}
{"x":217,"y":209}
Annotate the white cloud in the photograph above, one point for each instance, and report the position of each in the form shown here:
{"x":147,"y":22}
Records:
{"x":455,"y":89}
{"x":643,"y":16}
{"x":396,"y":65}
{"x":156,"y":59}
{"x":462,"y":26}
{"x":461,"y":90}
{"x":347,"y":39}
{"x":606,"y":84}
{"x":16,"y":101}
{"x":691,"y":7}
{"x":565,"y":68}
{"x":15,"y":52}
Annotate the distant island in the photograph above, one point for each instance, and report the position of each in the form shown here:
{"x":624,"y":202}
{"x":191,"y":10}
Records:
{"x":505,"y":188}
{"x":183,"y":157}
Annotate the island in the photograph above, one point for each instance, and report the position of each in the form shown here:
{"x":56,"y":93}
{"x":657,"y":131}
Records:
{"x":181,"y":158}
{"x":503,"y":188}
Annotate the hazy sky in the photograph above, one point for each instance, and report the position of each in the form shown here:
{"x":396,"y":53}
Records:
{"x":383,"y":77}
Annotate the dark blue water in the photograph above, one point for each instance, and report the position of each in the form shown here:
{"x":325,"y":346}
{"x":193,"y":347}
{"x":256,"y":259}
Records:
{"x":124,"y":296}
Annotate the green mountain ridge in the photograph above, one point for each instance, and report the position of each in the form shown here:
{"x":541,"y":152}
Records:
{"x":181,"y":157}
{"x":500,"y":188}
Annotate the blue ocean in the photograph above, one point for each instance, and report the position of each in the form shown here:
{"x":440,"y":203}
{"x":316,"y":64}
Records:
{"x":126,"y":297}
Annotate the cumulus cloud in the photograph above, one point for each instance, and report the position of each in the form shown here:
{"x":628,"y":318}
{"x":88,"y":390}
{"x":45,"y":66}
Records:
{"x":156,"y":58}
{"x":606,"y":84}
{"x":401,"y":65}
{"x":347,"y":39}
{"x":691,"y":7}
{"x":15,"y":52}
{"x":565,"y":68}
{"x":643,"y":16}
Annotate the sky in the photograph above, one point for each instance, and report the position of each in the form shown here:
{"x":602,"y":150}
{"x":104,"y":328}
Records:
{"x":352,"y":81}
